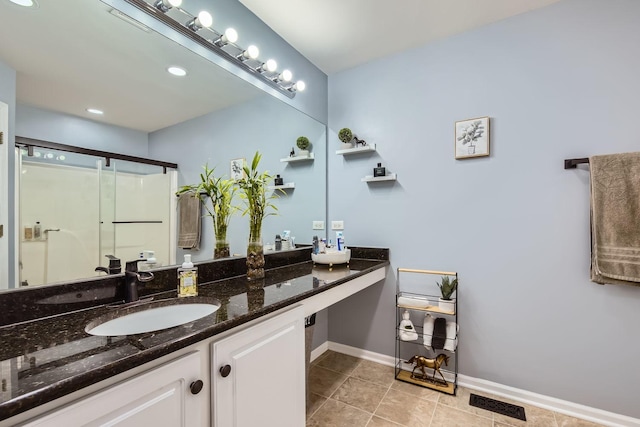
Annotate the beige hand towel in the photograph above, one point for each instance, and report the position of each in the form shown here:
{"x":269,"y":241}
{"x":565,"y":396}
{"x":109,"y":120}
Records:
{"x":190,"y":218}
{"x":615,"y":218}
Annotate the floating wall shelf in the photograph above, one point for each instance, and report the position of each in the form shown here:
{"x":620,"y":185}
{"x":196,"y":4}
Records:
{"x":389,"y":177}
{"x":298,"y":158}
{"x":285,"y":186}
{"x":356,"y":150}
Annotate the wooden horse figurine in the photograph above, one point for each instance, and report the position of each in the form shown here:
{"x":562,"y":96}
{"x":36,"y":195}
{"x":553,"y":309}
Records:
{"x":422,"y":362}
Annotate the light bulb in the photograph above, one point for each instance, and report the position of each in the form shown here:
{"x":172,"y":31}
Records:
{"x":230,"y":35}
{"x":251,"y":52}
{"x":204,"y":19}
{"x":300,"y":86}
{"x":285,"y":76}
{"x":165,"y":5}
{"x":269,"y":66}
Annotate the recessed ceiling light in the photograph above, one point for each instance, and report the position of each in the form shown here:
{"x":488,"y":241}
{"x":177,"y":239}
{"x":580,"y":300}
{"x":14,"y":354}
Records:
{"x":25,"y":3}
{"x":95,"y":111}
{"x":177,"y":71}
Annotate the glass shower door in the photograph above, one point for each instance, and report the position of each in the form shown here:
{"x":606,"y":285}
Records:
{"x":135,"y":213}
{"x":58,"y":217}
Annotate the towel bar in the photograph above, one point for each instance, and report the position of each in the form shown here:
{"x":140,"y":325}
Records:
{"x":572,"y":163}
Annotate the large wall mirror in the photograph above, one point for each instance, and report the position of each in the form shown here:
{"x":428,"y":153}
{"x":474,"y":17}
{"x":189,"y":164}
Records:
{"x":71,"y":55}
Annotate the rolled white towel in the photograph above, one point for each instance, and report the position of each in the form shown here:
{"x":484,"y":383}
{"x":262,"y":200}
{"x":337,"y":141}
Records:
{"x":413,"y":302}
{"x":427,"y":330}
{"x":451,"y":343}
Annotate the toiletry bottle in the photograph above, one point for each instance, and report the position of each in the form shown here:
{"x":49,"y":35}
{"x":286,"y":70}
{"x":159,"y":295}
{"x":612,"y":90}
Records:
{"x":37,"y":231}
{"x":278,"y":180}
{"x":379,"y":171}
{"x":187,"y":278}
{"x":278,"y":243}
{"x":316,"y":245}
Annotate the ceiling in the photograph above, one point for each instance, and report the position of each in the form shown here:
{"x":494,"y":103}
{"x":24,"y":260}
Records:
{"x":68,"y":64}
{"x":339,"y":34}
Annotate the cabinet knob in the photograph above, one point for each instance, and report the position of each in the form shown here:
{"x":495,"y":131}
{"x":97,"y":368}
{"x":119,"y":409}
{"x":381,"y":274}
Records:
{"x":225,"y":371}
{"x":196,"y":387}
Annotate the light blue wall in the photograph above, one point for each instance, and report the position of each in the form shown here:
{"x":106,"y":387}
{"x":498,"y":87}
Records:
{"x":560,"y":82}
{"x":33,"y":122}
{"x":8,"y":96}
{"x":266,"y":125}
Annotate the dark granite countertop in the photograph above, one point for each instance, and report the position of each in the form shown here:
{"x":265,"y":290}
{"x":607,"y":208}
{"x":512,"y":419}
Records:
{"x":47,"y":358}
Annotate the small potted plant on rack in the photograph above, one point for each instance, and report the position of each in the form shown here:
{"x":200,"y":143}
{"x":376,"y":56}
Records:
{"x":447,"y":288}
{"x":303,"y":146}
{"x":346,"y":136}
{"x":220,"y":193}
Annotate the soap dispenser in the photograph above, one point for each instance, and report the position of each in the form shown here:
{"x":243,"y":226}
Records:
{"x":187,"y":278}
{"x":379,"y":171}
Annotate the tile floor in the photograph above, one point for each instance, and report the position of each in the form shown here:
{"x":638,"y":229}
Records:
{"x":351,"y":392}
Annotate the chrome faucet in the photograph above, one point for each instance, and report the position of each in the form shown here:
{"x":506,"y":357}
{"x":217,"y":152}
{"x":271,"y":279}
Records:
{"x":131,"y":278}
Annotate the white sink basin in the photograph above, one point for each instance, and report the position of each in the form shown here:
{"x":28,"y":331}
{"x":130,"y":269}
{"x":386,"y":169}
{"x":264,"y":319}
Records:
{"x":153,"y":319}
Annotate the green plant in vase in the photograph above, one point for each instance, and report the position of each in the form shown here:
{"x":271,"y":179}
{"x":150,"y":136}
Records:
{"x":216,"y":195}
{"x":253,"y":191}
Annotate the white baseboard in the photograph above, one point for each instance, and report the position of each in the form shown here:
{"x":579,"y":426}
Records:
{"x":316,"y":352}
{"x":551,"y":403}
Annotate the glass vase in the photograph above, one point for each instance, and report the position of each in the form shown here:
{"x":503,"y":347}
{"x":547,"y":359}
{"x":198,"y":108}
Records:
{"x":255,"y":260}
{"x":221,"y":250}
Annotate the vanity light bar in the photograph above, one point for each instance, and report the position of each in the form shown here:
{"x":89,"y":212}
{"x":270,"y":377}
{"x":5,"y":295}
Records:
{"x":241,"y":59}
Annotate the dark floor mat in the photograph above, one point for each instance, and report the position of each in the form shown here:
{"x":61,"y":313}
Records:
{"x":504,"y":408}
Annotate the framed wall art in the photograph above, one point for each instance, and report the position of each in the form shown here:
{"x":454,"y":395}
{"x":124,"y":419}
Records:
{"x":472,"y":138}
{"x":237,"y":169}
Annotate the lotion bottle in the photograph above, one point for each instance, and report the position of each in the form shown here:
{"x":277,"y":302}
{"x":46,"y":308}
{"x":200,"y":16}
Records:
{"x":187,"y":278}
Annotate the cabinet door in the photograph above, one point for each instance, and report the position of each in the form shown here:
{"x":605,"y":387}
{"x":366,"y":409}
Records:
{"x":265,"y":385}
{"x":159,"y":397}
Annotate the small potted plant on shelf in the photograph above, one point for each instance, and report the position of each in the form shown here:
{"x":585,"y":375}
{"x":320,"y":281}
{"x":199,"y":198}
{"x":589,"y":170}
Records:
{"x":219,"y":192}
{"x":447,"y":288}
{"x":346,"y":136}
{"x":303,"y":146}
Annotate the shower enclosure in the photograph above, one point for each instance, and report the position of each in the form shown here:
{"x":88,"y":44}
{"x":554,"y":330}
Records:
{"x":77,"y":208}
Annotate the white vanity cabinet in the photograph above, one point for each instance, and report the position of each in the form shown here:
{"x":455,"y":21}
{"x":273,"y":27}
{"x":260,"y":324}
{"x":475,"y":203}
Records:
{"x":164,"y":396}
{"x":258,"y":374}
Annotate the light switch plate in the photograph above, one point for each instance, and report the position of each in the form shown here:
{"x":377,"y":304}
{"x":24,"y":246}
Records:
{"x":337,"y":225}
{"x":318,"y":225}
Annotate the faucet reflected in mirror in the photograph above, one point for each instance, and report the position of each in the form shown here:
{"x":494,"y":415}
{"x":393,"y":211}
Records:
{"x":114,"y":265}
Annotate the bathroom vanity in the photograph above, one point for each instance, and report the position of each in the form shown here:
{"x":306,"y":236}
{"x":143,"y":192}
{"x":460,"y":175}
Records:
{"x":243,"y":365}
